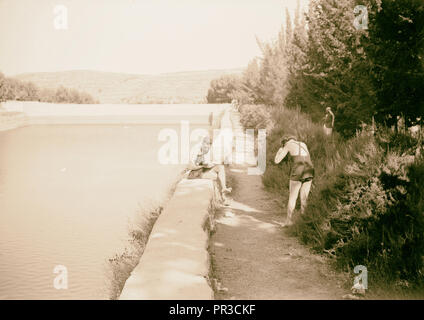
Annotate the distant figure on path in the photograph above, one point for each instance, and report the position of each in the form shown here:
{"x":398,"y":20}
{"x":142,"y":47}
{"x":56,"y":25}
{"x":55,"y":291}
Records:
{"x":301,"y":174}
{"x":201,"y":166}
{"x":328,"y":121}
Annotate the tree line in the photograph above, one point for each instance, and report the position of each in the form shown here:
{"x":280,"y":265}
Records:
{"x":13,"y":89}
{"x":321,"y":58}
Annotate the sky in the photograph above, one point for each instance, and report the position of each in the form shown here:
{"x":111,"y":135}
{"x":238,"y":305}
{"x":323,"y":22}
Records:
{"x":135,"y":36}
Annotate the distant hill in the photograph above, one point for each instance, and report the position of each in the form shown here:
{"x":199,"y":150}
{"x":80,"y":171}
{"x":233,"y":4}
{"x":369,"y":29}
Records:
{"x":108,"y":87}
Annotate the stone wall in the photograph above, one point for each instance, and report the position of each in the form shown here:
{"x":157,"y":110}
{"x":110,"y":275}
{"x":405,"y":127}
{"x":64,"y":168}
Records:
{"x":175,"y":263}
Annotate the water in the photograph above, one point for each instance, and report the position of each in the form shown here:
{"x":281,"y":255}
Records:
{"x":67,"y":194}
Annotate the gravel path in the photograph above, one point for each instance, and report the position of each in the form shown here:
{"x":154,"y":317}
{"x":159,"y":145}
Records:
{"x":254,"y":258}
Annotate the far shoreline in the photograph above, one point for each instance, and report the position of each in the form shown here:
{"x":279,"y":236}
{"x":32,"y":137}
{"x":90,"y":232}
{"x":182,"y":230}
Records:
{"x":15,"y":114}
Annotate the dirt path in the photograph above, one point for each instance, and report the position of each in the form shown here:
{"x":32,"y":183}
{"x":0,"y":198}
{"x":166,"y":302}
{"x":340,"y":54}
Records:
{"x":254,"y":258}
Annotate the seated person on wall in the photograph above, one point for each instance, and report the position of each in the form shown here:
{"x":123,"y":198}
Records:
{"x":202,"y":168}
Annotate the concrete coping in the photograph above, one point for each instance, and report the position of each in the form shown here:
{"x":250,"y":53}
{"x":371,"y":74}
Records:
{"x":175,"y":262}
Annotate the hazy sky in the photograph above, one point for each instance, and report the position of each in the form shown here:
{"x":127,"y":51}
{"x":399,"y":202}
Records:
{"x":135,"y":36}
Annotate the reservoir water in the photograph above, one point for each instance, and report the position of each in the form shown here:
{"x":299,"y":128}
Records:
{"x":67,"y":195}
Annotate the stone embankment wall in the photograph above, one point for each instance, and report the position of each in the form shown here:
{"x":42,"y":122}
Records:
{"x":175,"y":263}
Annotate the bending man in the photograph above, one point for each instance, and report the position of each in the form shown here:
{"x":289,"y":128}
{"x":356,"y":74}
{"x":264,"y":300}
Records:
{"x":301,"y":174}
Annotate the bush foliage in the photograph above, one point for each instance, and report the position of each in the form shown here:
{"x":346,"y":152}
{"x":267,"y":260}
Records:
{"x":322,"y":60}
{"x":367,"y":202}
{"x":255,"y":117}
{"x":12,"y":89}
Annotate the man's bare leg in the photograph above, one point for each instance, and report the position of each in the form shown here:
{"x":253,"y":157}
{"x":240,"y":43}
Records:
{"x":220,"y":170}
{"x":294,"y":192}
{"x":304,"y":192}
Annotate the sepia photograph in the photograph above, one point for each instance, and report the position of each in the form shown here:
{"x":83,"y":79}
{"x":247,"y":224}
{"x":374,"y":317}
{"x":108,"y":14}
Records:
{"x":214,"y":154}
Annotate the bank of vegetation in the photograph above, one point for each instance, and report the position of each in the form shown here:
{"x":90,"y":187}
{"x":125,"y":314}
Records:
{"x":13,"y":89}
{"x":367,"y":202}
{"x":122,"y":264}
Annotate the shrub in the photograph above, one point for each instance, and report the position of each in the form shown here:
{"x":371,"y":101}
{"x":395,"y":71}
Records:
{"x":222,"y":88}
{"x":255,"y":117}
{"x":13,"y":89}
{"x":399,"y":142}
{"x":367,"y":201}
{"x":388,"y":239}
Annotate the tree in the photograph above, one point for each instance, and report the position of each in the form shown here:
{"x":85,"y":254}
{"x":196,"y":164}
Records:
{"x":246,"y":91}
{"x":14,"y":89}
{"x":222,"y":88}
{"x":396,"y":52}
{"x":334,"y":72}
{"x":272,"y":87}
{"x":2,"y":88}
{"x":296,"y":55}
{"x":47,"y":95}
{"x":62,"y":95}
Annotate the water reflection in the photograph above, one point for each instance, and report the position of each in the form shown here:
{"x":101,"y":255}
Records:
{"x":66,"y":195}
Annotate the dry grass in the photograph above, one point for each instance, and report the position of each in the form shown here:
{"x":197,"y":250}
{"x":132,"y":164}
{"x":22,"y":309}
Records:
{"x":122,"y":264}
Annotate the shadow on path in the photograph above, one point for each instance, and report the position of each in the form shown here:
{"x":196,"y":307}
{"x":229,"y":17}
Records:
{"x":254,"y":258}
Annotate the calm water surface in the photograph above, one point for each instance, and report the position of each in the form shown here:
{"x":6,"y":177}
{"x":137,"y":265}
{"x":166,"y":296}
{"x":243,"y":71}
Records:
{"x":67,"y":194}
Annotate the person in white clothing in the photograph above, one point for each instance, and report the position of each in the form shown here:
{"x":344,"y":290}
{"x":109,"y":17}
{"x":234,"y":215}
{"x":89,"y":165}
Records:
{"x":201,"y":167}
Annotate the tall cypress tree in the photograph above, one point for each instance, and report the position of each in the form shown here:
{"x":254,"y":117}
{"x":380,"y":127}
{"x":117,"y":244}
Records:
{"x":396,"y":53}
{"x":334,"y":71}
